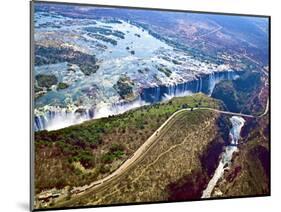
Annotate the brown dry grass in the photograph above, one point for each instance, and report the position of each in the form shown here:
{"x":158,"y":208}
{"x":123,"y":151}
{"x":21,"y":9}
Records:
{"x":176,"y":154}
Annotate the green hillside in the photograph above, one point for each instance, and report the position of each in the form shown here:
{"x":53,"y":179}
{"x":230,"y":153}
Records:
{"x":239,"y":95}
{"x":83,"y":153}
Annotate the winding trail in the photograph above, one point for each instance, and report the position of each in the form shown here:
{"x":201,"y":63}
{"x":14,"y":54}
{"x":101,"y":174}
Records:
{"x":99,"y":184}
{"x":102,"y":183}
{"x":211,"y":32}
{"x":144,"y":147}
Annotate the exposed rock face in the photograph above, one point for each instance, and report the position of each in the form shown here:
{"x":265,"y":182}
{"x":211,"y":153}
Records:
{"x":204,"y":84}
{"x":190,"y":189}
{"x":241,"y":94}
{"x":191,"y":186}
{"x":124,"y":87}
{"x":249,"y":173}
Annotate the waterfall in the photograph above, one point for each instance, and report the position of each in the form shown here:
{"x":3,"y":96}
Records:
{"x":199,"y":85}
{"x":200,"y":88}
{"x":225,"y":162}
{"x":57,"y":118}
{"x":118,"y":108}
{"x":204,"y":84}
{"x":54,"y":118}
{"x":216,"y":78}
{"x":39,"y":122}
{"x":212,"y":83}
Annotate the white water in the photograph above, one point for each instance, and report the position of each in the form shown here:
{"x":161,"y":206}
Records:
{"x":237,"y":124}
{"x":185,"y":93}
{"x":115,"y":61}
{"x":61,"y":118}
{"x":53,"y":118}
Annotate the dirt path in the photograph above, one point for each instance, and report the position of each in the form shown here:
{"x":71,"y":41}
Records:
{"x":96,"y":185}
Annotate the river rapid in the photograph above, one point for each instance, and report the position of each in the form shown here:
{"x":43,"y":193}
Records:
{"x":225,"y":161}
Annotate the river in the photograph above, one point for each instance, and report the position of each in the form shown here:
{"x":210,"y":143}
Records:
{"x":225,"y":161}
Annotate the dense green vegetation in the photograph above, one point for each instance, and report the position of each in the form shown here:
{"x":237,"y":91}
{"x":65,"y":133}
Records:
{"x":238,"y":94}
{"x":62,"y":85}
{"x":176,"y":62}
{"x":46,"y":81}
{"x":103,"y":38}
{"x":112,"y":21}
{"x":105,"y":31}
{"x":165,"y":70}
{"x":52,"y":55}
{"x":101,"y":143}
{"x":124,"y":87}
{"x":101,"y":33}
{"x":37,"y":89}
{"x":248,"y":82}
{"x":175,"y":158}
{"x":226,"y":92}
{"x":115,"y":151}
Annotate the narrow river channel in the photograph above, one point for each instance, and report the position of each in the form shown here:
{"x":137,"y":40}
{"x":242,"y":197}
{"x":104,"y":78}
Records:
{"x":225,"y":161}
